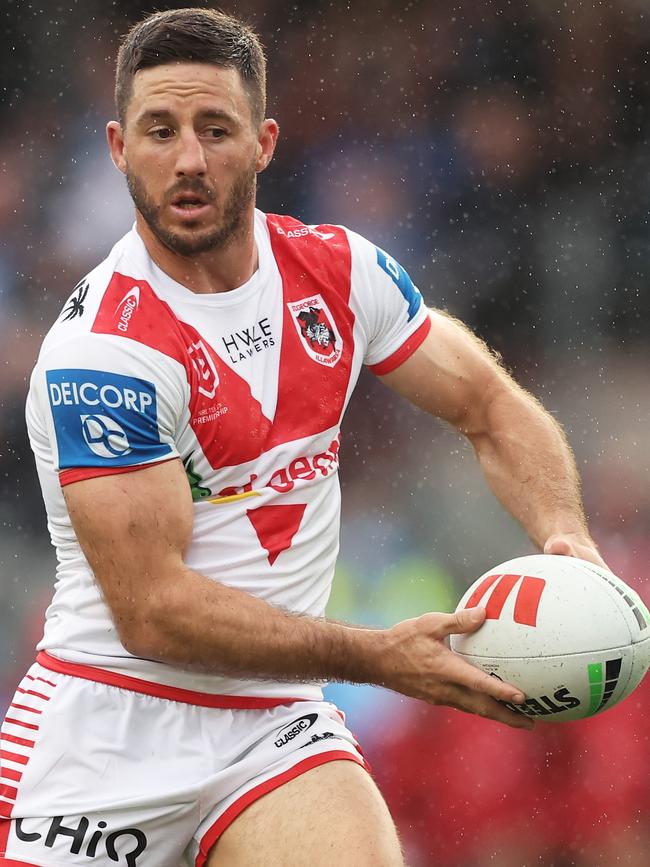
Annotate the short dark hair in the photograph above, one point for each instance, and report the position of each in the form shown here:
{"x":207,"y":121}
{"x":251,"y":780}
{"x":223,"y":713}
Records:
{"x":192,"y":35}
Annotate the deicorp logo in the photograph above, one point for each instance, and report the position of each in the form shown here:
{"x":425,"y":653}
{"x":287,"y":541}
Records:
{"x":103,"y":418}
{"x":527,"y":598}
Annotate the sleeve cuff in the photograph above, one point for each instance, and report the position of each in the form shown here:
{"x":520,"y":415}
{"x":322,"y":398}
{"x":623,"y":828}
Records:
{"x":79,"y":474}
{"x":405,"y":350}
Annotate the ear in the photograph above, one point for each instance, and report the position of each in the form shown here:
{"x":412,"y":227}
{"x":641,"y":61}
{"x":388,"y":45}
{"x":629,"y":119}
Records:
{"x":267,"y":139}
{"x":116,"y":146}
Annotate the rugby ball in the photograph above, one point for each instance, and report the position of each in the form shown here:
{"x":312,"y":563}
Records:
{"x":571,"y":635}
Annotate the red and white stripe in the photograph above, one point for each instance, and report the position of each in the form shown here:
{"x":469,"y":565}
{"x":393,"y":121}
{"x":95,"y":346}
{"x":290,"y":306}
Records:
{"x":18,"y":737}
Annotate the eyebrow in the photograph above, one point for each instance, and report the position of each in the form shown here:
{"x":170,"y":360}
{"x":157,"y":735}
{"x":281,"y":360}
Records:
{"x":165,"y":114}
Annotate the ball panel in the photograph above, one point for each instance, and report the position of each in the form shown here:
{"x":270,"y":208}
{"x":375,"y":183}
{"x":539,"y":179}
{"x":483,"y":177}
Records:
{"x":564,"y":688}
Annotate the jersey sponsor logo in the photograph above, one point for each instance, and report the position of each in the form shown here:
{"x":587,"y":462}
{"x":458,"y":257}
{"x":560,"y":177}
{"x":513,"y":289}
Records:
{"x":316,"y":326}
{"x":104,"y":436}
{"x":126,"y":308}
{"x":205,"y":368}
{"x":103,"y":418}
{"x":303,"y":231}
{"x":243,"y":344}
{"x":75,"y":306}
{"x":293,"y":729}
{"x":124,"y":845}
{"x":401,"y":279}
{"x":527,"y":598}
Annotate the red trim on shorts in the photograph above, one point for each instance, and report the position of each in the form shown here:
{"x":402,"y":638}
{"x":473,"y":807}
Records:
{"x":25,"y":707}
{"x":10,"y":774}
{"x":78,"y":474}
{"x":159,"y":690}
{"x":19,"y":722}
{"x":232,"y":812}
{"x":14,"y":757}
{"x":5,"y":828}
{"x":4,"y":862}
{"x":405,"y":351}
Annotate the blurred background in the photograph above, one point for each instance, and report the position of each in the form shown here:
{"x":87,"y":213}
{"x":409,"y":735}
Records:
{"x":500,"y":151}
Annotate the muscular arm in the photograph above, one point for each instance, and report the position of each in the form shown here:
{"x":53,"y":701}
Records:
{"x":134,"y":529}
{"x":522,"y":450}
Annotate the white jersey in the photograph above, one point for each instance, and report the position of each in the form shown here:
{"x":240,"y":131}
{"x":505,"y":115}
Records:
{"x":247,"y":388}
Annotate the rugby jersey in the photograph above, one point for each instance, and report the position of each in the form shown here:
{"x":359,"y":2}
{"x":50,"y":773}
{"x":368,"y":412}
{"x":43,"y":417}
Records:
{"x":247,"y":388}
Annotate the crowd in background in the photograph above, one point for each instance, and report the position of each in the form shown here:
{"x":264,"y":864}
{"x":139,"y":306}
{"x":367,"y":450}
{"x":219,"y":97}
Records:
{"x":499,"y":151}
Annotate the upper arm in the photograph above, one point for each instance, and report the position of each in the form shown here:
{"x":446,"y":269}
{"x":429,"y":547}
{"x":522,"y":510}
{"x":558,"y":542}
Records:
{"x":452,"y":375}
{"x":134,"y":529}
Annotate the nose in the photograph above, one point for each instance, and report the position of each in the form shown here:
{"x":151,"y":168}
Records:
{"x":190,"y":160}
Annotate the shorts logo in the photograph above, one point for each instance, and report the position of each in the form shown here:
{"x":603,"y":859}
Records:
{"x":295,"y":728}
{"x":103,"y":418}
{"x":123,"y":846}
{"x":317,"y":329}
{"x":104,"y":436}
{"x":204,"y":367}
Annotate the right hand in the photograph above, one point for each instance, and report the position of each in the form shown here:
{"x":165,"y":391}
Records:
{"x":417,"y":662}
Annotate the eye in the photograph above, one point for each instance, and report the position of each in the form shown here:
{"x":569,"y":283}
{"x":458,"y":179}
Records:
{"x":161,"y":133}
{"x":216,"y":132}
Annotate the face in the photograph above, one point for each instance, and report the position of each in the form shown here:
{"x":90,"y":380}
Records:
{"x":191,"y":152}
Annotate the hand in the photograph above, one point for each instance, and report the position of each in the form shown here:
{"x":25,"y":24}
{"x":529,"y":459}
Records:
{"x":417,"y":662}
{"x":575,"y":545}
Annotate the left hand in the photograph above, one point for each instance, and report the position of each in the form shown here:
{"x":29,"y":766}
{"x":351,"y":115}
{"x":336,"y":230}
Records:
{"x":575,"y":545}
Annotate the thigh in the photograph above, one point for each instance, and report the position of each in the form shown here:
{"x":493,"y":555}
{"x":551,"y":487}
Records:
{"x":332,"y":814}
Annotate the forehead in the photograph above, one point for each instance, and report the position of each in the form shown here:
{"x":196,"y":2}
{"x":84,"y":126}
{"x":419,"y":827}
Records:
{"x":189,"y":87}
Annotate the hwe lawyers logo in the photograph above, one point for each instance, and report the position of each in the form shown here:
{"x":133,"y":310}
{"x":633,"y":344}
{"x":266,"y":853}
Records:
{"x":527,"y":599}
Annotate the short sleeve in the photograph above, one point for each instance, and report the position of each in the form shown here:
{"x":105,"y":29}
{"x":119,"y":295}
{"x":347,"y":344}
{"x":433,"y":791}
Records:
{"x":107,"y":405}
{"x":389,"y":307}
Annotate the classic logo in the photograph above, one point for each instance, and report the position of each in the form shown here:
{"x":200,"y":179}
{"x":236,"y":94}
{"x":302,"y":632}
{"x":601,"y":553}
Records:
{"x":317,"y":329}
{"x":527,"y":599}
{"x":205,"y":368}
{"x":124,"y":846}
{"x":75,"y":306}
{"x":293,"y":729}
{"x":127,"y":307}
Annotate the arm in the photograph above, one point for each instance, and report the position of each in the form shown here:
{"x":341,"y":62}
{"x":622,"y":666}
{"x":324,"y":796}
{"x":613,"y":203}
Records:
{"x":135,"y":542}
{"x":522,"y":450}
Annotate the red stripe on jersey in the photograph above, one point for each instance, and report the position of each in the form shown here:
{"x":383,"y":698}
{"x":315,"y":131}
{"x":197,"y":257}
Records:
{"x":10,"y":774}
{"x":79,"y":474}
{"x":14,"y":757}
{"x":25,"y":707}
{"x":5,"y":810}
{"x":158,"y":690}
{"x":22,"y":742}
{"x":230,"y":814}
{"x":221,"y":403}
{"x":405,"y":351}
{"x":314,"y":268}
{"x":19,"y":722}
{"x":9,"y":792}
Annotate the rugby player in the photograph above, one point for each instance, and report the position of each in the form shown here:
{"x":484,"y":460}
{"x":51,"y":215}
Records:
{"x":184,"y":414}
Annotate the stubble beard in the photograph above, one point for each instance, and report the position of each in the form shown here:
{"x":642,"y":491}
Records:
{"x":192,"y":242}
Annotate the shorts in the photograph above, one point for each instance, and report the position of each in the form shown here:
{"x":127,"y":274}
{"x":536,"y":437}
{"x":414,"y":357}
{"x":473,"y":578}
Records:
{"x":99,"y":775}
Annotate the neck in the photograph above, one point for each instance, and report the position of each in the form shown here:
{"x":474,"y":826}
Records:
{"x":206,"y":273}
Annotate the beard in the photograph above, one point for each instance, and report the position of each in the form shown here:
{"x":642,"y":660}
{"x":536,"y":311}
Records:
{"x":191,"y":241}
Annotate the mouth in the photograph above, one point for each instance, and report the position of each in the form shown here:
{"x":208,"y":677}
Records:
{"x":189,"y":206}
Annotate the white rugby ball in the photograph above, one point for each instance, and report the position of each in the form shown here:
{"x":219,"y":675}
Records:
{"x":571,"y":635}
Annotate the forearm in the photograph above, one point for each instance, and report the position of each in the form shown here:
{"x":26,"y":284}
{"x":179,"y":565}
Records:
{"x":203,"y":625}
{"x":529,"y":464}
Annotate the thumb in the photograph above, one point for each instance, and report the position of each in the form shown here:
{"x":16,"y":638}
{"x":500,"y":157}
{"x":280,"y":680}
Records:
{"x":467,"y":620}
{"x":558,"y":546}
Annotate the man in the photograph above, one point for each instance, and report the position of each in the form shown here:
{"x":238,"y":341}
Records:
{"x":185,"y":414}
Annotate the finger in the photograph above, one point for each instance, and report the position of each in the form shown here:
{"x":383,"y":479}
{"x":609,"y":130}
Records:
{"x":559,"y":546}
{"x":455,"y":670}
{"x":465,"y":620}
{"x":468,"y":701}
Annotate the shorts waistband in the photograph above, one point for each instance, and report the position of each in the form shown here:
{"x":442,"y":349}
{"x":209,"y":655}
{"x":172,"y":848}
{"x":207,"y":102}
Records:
{"x":158,"y":690}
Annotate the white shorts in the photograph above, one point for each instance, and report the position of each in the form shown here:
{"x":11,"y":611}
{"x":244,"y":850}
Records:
{"x":99,"y":775}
